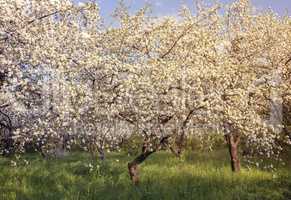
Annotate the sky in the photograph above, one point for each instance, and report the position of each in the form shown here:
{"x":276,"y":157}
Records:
{"x":170,"y":7}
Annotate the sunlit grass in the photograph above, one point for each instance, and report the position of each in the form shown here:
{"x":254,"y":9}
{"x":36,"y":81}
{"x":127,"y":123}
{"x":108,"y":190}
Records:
{"x":194,"y":176}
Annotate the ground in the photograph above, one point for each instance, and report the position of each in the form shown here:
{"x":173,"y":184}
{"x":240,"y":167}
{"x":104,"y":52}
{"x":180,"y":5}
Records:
{"x":199,"y":176}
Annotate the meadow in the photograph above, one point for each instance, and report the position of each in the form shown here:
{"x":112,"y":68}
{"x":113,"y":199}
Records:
{"x":200,"y":175}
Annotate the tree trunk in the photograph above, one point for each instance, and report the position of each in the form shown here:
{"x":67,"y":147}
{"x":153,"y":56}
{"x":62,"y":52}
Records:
{"x":101,"y":154}
{"x":177,"y":152}
{"x":147,"y":150}
{"x":7,"y":142}
{"x":133,"y":166}
{"x":180,"y":143}
{"x":233,"y":142}
{"x":6,"y":132}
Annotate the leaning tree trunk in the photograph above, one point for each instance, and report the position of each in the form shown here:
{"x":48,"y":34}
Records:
{"x":133,"y":166}
{"x":233,"y":142}
{"x":147,"y":150}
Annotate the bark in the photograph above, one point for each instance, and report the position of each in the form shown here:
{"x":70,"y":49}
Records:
{"x":101,"y":154}
{"x":181,"y":140}
{"x":180,"y":143}
{"x":133,"y":166}
{"x":177,"y":153}
{"x":6,"y":132}
{"x":233,"y":142}
{"x":8,"y":146}
{"x":145,"y":153}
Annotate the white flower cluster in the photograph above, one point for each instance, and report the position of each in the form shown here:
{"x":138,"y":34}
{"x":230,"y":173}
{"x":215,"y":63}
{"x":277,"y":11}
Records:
{"x":68,"y":80}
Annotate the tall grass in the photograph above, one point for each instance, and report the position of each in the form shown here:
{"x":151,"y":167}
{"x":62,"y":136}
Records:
{"x":194,"y":176}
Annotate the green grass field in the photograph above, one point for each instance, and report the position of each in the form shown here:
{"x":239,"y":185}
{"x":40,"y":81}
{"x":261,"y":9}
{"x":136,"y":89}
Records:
{"x":195,"y":176}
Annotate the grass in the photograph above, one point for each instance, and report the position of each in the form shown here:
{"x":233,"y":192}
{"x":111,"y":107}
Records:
{"x":195,"y":176}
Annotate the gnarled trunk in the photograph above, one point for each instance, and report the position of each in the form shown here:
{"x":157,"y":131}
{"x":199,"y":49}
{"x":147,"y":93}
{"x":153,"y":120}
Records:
{"x":233,"y":142}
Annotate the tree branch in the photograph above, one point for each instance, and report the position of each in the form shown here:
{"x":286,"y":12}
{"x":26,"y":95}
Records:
{"x":42,"y":17}
{"x":289,"y":60}
{"x":176,"y":41}
{"x":183,"y":34}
